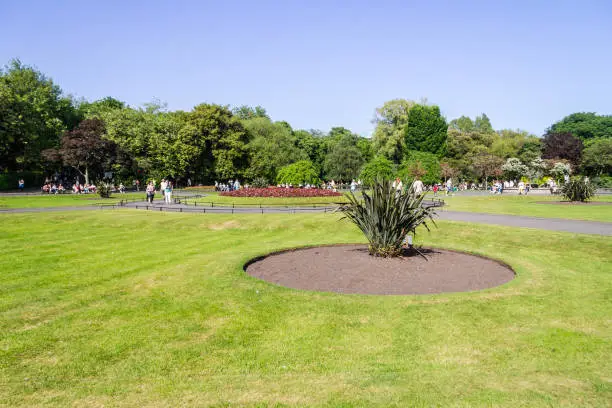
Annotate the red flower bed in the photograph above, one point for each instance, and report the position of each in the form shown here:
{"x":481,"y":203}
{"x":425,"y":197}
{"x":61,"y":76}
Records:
{"x":280,"y":192}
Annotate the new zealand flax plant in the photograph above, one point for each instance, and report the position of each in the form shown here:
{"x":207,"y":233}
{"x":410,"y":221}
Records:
{"x":386,"y":216}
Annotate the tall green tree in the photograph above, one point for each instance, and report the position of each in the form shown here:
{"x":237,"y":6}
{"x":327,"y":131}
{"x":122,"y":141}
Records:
{"x":245,"y":112}
{"x":426,"y":130}
{"x":597,"y":157}
{"x":345,"y":160}
{"x":271,"y":147}
{"x":584,"y":126}
{"x":390,"y":121}
{"x":33,"y":115}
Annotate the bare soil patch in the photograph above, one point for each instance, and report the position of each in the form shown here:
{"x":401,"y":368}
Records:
{"x":589,"y":203}
{"x":350,"y":269}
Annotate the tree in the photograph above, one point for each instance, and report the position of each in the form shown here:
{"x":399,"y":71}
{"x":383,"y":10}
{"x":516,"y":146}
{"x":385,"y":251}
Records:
{"x":96,"y":109}
{"x":483,"y":124}
{"x":245,"y":112}
{"x":448,"y":171}
{"x":584,"y":126}
{"x":514,"y":169}
{"x":485,"y":165}
{"x":84,"y":149}
{"x":426,"y":130}
{"x":422,"y":165}
{"x":33,"y":115}
{"x":562,"y":146}
{"x":225,"y":153}
{"x":597,"y":157}
{"x":559,"y":170}
{"x":272,"y":147}
{"x":344,"y":160}
{"x":379,"y":168}
{"x":299,"y":173}
{"x":391,"y":120}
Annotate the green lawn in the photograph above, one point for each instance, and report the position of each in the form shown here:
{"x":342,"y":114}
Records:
{"x":129,"y":308}
{"x":529,"y":206}
{"x":62,"y":200}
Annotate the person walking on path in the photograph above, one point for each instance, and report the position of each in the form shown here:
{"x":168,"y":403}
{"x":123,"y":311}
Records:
{"x":168,"y":193}
{"x":150,"y":192}
{"x":162,"y":188}
{"x":417,"y":187}
{"x":449,"y":186}
{"x":21,"y":185}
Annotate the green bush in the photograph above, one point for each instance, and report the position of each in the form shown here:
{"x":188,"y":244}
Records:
{"x":103,"y":190}
{"x":602,"y":181}
{"x":379,"y":168}
{"x":386,"y":216}
{"x":415,"y":161}
{"x":577,"y":189}
{"x":259,"y":182}
{"x":301,"y":172}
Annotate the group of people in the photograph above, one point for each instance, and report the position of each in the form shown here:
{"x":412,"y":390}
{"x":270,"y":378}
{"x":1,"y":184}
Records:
{"x":52,"y":188}
{"x":165,"y":188}
{"x":231,"y":185}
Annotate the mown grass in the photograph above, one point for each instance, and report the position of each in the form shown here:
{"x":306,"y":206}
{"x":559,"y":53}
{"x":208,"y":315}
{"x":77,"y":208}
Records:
{"x":530,"y":205}
{"x":62,"y":200}
{"x":128,"y":308}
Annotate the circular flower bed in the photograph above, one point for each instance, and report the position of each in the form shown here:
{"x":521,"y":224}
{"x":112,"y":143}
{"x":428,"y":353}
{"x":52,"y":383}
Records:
{"x":281,"y":192}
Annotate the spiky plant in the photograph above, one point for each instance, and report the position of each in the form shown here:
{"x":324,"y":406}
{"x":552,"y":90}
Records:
{"x":578,"y":190}
{"x":386,"y":216}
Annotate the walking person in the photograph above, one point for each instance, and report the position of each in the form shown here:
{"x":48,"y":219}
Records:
{"x":417,"y":187}
{"x":162,"y":188}
{"x":21,"y":185}
{"x":168,"y":193}
{"x":150,"y":192}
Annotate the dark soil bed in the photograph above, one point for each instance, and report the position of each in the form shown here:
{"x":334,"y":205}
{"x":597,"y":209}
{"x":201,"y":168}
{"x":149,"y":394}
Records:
{"x":590,"y":203}
{"x":350,"y":269}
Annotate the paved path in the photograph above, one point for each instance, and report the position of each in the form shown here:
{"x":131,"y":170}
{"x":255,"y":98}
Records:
{"x":551,"y":224}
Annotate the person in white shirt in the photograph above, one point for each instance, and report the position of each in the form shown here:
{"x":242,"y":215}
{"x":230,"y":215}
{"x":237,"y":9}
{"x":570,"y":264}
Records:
{"x":417,"y":187}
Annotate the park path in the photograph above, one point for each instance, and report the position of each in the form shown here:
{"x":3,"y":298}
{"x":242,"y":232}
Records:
{"x":551,"y":224}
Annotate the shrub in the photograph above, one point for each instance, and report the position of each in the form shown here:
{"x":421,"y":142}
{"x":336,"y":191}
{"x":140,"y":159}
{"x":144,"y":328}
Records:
{"x":259,"y":182}
{"x":578,"y":190}
{"x":301,"y":172}
{"x":103,"y":190}
{"x":385,"y":217}
{"x":380,"y":168}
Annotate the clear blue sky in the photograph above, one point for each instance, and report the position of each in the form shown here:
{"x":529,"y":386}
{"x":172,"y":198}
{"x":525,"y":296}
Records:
{"x":318,"y":64}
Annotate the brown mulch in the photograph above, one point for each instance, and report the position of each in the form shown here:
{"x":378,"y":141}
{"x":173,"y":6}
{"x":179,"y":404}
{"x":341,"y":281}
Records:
{"x":350,"y":269}
{"x":589,"y":203}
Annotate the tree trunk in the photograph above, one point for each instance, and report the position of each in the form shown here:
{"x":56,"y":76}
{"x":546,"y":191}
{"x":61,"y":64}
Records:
{"x":86,"y":175}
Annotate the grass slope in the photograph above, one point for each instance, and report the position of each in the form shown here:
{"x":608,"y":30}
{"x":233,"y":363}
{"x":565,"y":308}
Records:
{"x":130,"y":308}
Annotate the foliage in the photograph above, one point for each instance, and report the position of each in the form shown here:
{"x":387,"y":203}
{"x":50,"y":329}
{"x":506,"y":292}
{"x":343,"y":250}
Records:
{"x":344,"y":161}
{"x":391,"y":120}
{"x":422,"y":165}
{"x":379,"y":168}
{"x":486,"y":165}
{"x":299,"y":173}
{"x":426,"y":130}
{"x":272,"y":147}
{"x":103,"y":189}
{"x":602,"y":181}
{"x":33,"y":115}
{"x":597,"y":157}
{"x":584,"y":125}
{"x":559,"y":170}
{"x":577,"y":189}
{"x":385,"y":216}
{"x":280,"y":192}
{"x":447,"y":170}
{"x":247,"y":112}
{"x":84,"y":149}
{"x":259,"y":182}
{"x":514,"y":169}
{"x":562,"y":146}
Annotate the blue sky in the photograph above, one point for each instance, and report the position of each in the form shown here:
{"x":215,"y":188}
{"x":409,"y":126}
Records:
{"x":318,"y":64}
